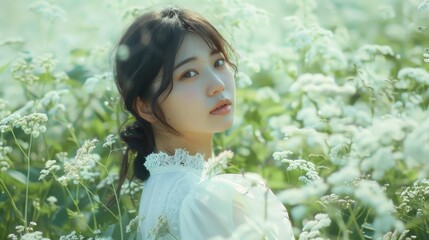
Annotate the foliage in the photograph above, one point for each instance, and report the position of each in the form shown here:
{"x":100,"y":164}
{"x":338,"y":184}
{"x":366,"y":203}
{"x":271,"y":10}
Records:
{"x":332,"y":110}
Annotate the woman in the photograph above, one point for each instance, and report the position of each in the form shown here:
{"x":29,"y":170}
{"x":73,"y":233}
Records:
{"x":175,"y":76}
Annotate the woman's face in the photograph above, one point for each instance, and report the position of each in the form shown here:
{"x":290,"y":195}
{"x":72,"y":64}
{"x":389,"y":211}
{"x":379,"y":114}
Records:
{"x":201,"y":78}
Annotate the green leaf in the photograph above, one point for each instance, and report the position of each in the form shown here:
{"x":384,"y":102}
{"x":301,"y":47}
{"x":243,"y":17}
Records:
{"x":18,"y":176}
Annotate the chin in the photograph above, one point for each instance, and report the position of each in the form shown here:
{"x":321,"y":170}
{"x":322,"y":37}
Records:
{"x":224,"y":127}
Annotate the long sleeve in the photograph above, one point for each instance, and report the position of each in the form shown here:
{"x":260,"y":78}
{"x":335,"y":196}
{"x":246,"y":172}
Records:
{"x":235,"y":207}
{"x":160,"y":202}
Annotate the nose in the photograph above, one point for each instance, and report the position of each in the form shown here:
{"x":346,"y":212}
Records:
{"x":216,"y":84}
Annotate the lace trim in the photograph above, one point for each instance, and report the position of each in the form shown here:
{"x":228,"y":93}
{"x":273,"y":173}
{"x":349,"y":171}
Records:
{"x":181,"y":158}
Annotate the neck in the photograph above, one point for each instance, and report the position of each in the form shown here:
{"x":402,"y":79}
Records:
{"x":191,"y":142}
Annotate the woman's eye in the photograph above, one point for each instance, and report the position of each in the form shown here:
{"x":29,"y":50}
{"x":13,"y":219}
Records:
{"x":189,"y":74}
{"x":220,"y":62}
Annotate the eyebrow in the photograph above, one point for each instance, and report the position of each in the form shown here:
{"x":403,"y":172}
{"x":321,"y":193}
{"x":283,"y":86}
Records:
{"x":213,"y":52}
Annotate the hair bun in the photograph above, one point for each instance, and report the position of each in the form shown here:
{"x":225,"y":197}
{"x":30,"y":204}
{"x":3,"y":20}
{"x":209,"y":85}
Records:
{"x":133,"y":136}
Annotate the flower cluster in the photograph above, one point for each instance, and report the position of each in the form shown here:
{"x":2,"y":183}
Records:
{"x":397,"y":235}
{"x":414,"y":197}
{"x":27,"y":233}
{"x":161,"y":230}
{"x":110,"y":140}
{"x":32,"y":124}
{"x":320,"y":85}
{"x":311,"y":229}
{"x":4,"y":111}
{"x":108,"y":181}
{"x":82,"y":166}
{"x":45,"y":63}
{"x":307,"y":167}
{"x":50,"y":168}
{"x":371,"y":193}
{"x":334,"y":199}
{"x":23,"y":71}
{"x":316,"y":43}
{"x":4,"y":160}
{"x":131,"y":188}
{"x":368,"y":52}
{"x":92,"y":84}
{"x":218,"y":164}
{"x":72,"y":236}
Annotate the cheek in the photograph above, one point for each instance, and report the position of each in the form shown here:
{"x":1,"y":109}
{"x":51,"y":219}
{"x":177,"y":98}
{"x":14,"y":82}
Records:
{"x":181,"y":102}
{"x":229,"y":79}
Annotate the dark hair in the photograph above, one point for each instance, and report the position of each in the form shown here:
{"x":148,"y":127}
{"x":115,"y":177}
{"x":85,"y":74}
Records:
{"x":146,"y":50}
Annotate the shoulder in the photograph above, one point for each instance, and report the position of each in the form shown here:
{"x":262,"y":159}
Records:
{"x":232,"y":202}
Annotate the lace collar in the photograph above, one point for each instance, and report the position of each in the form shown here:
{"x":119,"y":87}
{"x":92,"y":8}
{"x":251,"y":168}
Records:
{"x":161,"y":161}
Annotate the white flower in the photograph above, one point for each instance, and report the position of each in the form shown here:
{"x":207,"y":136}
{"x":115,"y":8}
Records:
{"x":299,"y":164}
{"x":53,"y":97}
{"x":37,"y":235}
{"x":12,"y":236}
{"x":266,"y":93}
{"x":330,"y":110}
{"x":50,"y":167}
{"x":416,"y":148}
{"x":161,"y":230}
{"x":320,"y":85}
{"x":298,"y":138}
{"x":131,"y":188}
{"x":110,"y":140}
{"x":52,"y":200}
{"x":4,"y":160}
{"x":381,"y":161}
{"x":371,"y":193}
{"x":368,"y":52}
{"x":45,"y":63}
{"x":63,"y":180}
{"x":23,"y":71}
{"x":4,"y":108}
{"x":344,"y":175}
{"x":311,"y":229}
{"x":413,"y":76}
{"x":334,"y":199}
{"x":82,"y":166}
{"x":133,"y":224}
{"x":61,"y":76}
{"x":32,"y":123}
{"x":72,"y":236}
{"x":218,"y":164}
{"x":108,"y":181}
{"x":309,"y":191}
{"x":92,"y":84}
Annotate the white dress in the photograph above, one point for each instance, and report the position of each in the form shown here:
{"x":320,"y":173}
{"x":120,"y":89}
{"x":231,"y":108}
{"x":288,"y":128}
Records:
{"x":180,"y":200}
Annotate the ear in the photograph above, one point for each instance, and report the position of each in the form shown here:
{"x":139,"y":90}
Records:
{"x":144,"y":110}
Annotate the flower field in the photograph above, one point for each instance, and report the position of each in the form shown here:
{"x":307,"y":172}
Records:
{"x":332,"y":110}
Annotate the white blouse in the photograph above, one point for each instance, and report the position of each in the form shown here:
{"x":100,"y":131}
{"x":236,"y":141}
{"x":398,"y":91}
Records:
{"x":181,"y":200}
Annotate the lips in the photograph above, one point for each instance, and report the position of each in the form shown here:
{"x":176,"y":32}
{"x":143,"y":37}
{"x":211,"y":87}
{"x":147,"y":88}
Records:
{"x":221,"y":104}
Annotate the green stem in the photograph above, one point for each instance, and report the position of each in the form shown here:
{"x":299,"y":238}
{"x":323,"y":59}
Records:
{"x":76,"y":203}
{"x":28,"y":175}
{"x":19,"y":145}
{"x":28,"y":178}
{"x":116,"y":197}
{"x":92,"y":206}
{"x":353,"y":217}
{"x":89,"y":191}
{"x":11,"y":200}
